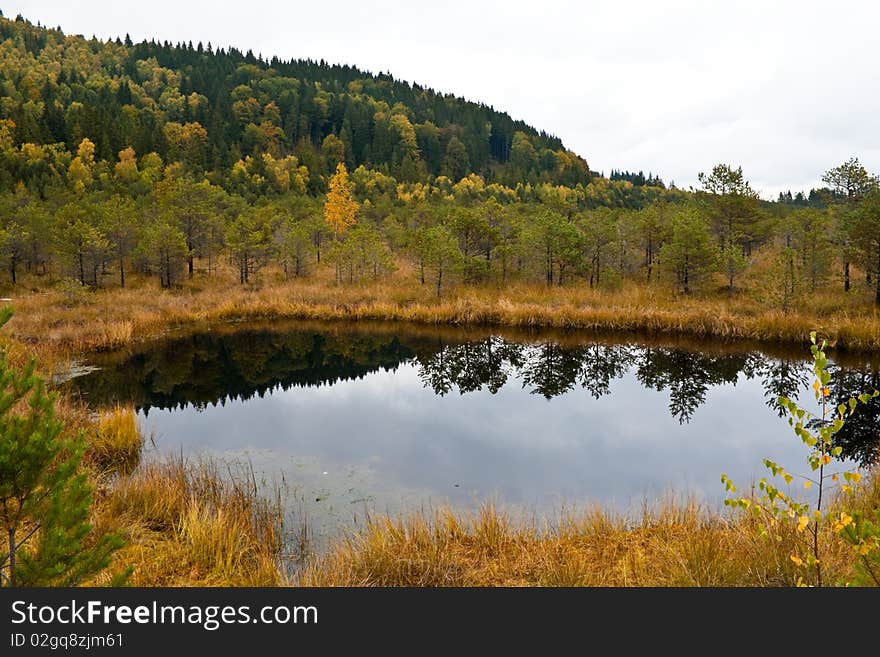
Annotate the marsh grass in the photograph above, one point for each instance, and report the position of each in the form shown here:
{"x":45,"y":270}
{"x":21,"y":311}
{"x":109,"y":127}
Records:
{"x":116,"y":444}
{"x":112,"y":318}
{"x":673,"y":543}
{"x":191,"y":524}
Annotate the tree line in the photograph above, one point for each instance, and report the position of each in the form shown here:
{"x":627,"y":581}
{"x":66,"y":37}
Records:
{"x":100,"y":224}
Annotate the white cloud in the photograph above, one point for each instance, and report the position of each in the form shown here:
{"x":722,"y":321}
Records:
{"x":786,"y":89}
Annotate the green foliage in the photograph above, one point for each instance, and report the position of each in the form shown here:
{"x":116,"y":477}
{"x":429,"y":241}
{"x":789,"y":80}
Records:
{"x":162,"y":249}
{"x":438,"y":253}
{"x":249,"y":238}
{"x":361,"y":255}
{"x":863,"y":534}
{"x":45,"y":496}
{"x":775,"y":507}
{"x":689,"y":255}
{"x":296,"y":249}
{"x":864,"y":234}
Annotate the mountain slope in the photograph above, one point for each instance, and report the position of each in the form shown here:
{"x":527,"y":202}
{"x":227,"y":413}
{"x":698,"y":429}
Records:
{"x":212,"y":108}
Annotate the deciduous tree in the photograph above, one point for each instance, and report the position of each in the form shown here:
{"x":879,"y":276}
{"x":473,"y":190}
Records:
{"x":340,"y":206}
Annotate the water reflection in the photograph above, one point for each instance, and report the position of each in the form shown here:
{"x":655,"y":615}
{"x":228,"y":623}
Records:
{"x":214,"y":367}
{"x":860,"y":435}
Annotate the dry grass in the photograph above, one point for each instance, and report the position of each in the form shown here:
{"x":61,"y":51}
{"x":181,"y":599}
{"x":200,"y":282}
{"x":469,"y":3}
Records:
{"x":116,"y":444}
{"x":676,"y":544}
{"x":105,"y":319}
{"x":191,"y":525}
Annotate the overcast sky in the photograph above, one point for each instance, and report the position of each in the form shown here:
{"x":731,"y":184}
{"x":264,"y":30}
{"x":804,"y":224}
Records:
{"x":787,"y":89}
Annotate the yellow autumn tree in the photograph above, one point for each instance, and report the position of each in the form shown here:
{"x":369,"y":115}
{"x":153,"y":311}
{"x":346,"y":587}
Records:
{"x":340,"y":206}
{"x":7,"y":134}
{"x":126,"y":169}
{"x":80,"y":171}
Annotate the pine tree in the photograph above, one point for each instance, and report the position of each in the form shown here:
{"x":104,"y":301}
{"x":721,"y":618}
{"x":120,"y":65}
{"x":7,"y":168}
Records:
{"x":689,"y":255}
{"x":45,"y":497}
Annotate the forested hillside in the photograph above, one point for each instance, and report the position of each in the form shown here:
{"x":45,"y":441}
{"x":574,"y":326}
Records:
{"x":218,"y":111}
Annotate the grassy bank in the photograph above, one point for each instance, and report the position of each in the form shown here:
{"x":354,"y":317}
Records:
{"x":677,"y":543}
{"x":184,"y":524}
{"x":60,"y":324}
{"x":192,"y":525}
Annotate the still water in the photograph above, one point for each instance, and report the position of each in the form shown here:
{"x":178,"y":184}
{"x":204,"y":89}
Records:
{"x":385,"y":419}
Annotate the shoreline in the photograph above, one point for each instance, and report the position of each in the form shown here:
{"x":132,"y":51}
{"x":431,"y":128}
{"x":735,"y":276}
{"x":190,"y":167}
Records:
{"x":56,"y":328}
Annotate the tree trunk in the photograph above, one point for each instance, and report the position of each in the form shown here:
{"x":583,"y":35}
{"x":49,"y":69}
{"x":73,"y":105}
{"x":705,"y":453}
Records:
{"x":190,"y":247}
{"x":877,"y":290}
{"x":549,"y":268}
{"x":687,"y":289}
{"x":439,"y":280}
{"x":846,"y":276}
{"x":121,"y":272}
{"x":11,"y":532}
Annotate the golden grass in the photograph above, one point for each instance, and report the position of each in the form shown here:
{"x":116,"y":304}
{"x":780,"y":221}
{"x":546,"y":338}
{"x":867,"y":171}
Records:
{"x":675,"y":544}
{"x":116,"y":444}
{"x":59,"y":331}
{"x":191,"y":525}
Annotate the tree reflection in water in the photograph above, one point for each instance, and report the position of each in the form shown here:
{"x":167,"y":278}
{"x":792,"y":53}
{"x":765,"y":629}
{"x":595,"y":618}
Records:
{"x":211,"y":368}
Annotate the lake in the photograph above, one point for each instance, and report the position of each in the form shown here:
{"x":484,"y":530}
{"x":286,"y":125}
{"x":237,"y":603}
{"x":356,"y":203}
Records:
{"x":379,"y":418}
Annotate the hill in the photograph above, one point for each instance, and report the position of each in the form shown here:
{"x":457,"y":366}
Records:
{"x":213,"y":108}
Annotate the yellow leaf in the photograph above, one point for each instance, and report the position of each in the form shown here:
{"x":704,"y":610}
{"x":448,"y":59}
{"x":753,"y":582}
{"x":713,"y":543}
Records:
{"x":844,"y":520}
{"x":807,"y":484}
{"x":856,"y":477}
{"x":826,"y":459}
{"x":797,"y":560}
{"x":803,"y":521}
{"x":787,"y":478}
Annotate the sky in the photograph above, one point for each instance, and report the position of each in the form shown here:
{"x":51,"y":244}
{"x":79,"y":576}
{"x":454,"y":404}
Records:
{"x":785,"y":89}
